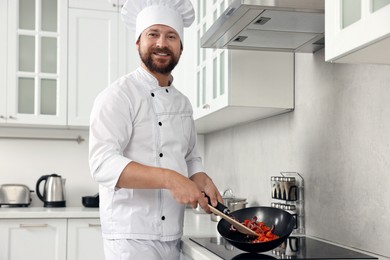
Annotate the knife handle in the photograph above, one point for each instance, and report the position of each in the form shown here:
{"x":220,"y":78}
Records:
{"x":225,"y":210}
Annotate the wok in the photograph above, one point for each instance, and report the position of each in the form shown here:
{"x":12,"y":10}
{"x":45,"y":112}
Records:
{"x":283,"y":221}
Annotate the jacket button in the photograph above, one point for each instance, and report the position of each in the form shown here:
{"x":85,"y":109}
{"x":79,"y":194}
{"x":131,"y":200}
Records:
{"x":161,"y":154}
{"x":159,"y":123}
{"x":152,"y":94}
{"x":163,"y":218}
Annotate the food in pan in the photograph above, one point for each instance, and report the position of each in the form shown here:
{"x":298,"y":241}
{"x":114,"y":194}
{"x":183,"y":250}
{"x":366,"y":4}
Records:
{"x":265,"y":232}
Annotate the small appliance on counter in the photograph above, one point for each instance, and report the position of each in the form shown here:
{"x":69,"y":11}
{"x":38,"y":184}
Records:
{"x":53,"y":191}
{"x":90,"y":201}
{"x":15,"y":195}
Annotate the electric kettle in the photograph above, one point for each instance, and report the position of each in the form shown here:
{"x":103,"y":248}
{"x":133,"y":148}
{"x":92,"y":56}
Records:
{"x":53,"y":191}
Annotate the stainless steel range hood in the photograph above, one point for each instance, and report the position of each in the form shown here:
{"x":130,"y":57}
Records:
{"x":271,"y":25}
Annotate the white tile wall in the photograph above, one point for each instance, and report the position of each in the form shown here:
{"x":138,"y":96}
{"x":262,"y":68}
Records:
{"x":338,"y":138}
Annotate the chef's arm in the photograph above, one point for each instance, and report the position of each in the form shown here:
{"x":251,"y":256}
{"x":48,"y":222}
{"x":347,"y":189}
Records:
{"x":184,"y":190}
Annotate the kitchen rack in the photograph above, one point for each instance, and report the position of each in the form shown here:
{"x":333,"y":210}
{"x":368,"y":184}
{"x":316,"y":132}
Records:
{"x":287,"y":192}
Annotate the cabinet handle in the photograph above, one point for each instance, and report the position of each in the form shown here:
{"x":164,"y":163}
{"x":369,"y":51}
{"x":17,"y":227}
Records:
{"x":94,"y":225}
{"x":206,"y":106}
{"x":2,"y":117}
{"x":12,"y":117}
{"x":33,"y":225}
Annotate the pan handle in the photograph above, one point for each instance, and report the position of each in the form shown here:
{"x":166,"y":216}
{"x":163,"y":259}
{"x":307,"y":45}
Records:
{"x":225,"y":210}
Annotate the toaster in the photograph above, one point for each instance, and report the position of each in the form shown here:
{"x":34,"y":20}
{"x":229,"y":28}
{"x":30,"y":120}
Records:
{"x":17,"y":195}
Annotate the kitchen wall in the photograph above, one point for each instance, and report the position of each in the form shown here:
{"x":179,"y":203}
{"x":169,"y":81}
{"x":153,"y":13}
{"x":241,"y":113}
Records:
{"x":338,"y":139}
{"x":24,"y":161}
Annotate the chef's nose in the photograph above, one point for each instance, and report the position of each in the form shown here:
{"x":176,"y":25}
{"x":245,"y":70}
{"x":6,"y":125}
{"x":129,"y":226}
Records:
{"x":161,"y":41}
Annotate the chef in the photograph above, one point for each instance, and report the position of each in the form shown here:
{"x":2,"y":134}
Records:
{"x":143,"y":147}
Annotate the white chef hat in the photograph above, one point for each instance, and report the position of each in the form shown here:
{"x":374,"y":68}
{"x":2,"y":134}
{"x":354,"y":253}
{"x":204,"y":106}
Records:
{"x":141,"y":14}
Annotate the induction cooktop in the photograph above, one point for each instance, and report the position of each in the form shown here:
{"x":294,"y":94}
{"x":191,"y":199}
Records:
{"x":298,"y":247}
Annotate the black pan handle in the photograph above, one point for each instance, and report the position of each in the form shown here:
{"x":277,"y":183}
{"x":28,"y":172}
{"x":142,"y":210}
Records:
{"x":225,"y":210}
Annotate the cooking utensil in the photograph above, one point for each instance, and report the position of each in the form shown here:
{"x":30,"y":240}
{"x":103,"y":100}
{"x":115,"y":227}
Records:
{"x":233,"y":204}
{"x":282,"y":220}
{"x":53,"y":192}
{"x":222,"y":211}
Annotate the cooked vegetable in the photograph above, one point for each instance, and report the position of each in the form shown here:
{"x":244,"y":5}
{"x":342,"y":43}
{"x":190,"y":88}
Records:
{"x":265,"y":232}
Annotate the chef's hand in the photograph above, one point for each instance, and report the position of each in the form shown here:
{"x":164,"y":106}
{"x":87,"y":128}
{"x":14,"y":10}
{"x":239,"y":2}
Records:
{"x":185,"y":191}
{"x":206,"y":185}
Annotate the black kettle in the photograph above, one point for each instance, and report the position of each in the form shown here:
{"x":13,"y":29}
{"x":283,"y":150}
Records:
{"x":53,"y":191}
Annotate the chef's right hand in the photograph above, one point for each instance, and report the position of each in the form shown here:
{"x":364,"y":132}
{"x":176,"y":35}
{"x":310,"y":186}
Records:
{"x":184,"y":190}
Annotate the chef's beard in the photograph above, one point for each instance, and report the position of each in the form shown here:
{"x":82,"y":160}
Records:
{"x":154,"y":66}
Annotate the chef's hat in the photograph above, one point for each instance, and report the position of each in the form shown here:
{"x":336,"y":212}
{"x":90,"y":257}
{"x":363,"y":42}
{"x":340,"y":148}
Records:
{"x":141,"y":14}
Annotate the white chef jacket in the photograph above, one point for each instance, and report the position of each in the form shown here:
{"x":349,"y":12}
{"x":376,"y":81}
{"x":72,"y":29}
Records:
{"x":135,"y":119}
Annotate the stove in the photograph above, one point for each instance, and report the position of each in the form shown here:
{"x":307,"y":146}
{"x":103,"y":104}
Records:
{"x":295,"y":247}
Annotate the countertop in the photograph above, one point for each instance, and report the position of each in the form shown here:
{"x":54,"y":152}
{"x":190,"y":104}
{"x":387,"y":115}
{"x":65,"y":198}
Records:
{"x":41,"y":212}
{"x":195,"y":225}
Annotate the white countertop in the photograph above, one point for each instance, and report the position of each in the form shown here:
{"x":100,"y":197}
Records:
{"x":195,"y":225}
{"x":41,"y":212}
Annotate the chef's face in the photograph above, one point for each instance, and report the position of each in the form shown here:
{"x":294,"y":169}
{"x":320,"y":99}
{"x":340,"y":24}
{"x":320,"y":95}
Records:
{"x":159,"y":47}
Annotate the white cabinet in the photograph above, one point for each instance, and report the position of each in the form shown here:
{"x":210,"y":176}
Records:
{"x":51,"y":239}
{"x":101,"y":49}
{"x":357,"y":31}
{"x":35,"y":86}
{"x":251,"y":86}
{"x":43,"y":239}
{"x":84,"y":240}
{"x":3,"y":60}
{"x":235,"y":86}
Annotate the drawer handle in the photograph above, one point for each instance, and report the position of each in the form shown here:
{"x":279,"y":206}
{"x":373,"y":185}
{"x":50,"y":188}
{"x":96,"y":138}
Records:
{"x":94,"y":225}
{"x":33,"y":225}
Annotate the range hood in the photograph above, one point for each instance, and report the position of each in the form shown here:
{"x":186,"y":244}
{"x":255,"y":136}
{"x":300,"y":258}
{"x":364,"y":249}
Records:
{"x":269,"y":25}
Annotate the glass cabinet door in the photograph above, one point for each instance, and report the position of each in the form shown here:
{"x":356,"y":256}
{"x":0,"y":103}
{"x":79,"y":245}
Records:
{"x":35,"y":85}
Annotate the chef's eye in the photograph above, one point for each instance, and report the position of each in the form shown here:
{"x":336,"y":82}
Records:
{"x":152,"y":35}
{"x":172,"y":36}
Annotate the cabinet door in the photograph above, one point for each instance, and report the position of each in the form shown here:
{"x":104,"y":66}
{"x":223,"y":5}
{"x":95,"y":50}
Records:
{"x":36,"y":239}
{"x":103,"y":5}
{"x":128,"y":55}
{"x":37,"y":62}
{"x":357,"y":31}
{"x":93,"y":60}
{"x":3,"y":59}
{"x":85,"y":240}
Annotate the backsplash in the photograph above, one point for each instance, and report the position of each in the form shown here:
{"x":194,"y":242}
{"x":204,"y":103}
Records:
{"x":337,"y":139}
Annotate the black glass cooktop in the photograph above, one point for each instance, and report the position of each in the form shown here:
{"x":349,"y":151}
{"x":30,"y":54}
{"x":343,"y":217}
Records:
{"x":293,"y":248}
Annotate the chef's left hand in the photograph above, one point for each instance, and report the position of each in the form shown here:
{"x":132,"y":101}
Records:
{"x":206,"y":184}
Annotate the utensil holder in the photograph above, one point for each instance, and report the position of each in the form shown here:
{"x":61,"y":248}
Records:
{"x":287,"y":193}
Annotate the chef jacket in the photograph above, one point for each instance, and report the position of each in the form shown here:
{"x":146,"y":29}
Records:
{"x":135,"y":119}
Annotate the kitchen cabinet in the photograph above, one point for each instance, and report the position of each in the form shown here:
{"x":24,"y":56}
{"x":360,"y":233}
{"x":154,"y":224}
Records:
{"x":3,"y":60}
{"x":357,"y":31}
{"x":84,"y":240}
{"x":51,"y":239}
{"x":43,"y":239}
{"x":238,"y":86}
{"x":34,"y":84}
{"x":96,"y":57}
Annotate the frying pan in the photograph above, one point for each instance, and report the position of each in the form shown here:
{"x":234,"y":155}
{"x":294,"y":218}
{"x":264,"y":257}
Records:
{"x":283,"y":221}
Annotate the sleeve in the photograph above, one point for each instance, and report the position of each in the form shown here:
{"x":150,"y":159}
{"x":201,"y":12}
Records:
{"x":193,"y":159}
{"x":109,"y":134}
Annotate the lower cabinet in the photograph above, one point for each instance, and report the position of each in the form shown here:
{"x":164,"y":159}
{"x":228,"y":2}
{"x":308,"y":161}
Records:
{"x":35,"y":239}
{"x":84,"y":240}
{"x":51,"y":239}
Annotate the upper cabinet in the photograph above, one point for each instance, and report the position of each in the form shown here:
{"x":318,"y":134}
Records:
{"x":35,"y":82}
{"x":237,"y":86}
{"x":357,"y":31}
{"x":101,"y":49}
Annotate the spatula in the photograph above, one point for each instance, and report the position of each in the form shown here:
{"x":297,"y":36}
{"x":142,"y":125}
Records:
{"x":222,"y":211}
